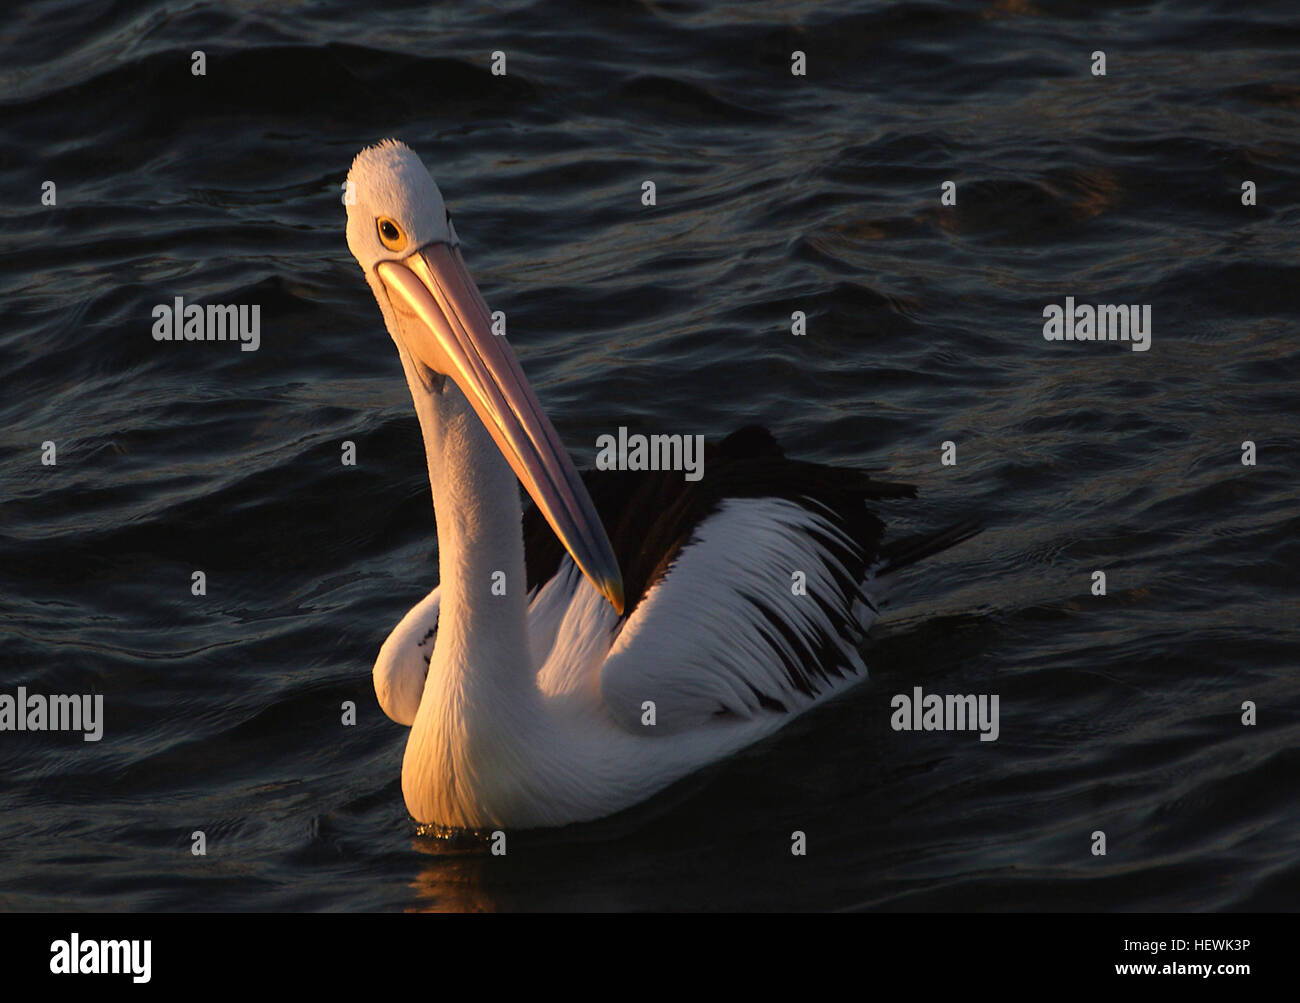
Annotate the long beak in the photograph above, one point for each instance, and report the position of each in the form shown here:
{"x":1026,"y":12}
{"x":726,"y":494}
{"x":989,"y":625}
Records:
{"x":454,"y":337}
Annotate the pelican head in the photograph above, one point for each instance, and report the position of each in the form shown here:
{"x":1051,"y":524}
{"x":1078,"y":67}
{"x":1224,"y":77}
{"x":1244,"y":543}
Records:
{"x":401,"y":234}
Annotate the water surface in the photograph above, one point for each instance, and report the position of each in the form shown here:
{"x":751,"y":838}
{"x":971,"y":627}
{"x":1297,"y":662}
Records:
{"x":776,"y":193}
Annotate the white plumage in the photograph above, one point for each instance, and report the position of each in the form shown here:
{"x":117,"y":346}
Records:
{"x":692,"y":647}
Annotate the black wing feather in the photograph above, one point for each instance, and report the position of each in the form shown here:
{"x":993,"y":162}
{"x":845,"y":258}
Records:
{"x":651,"y":515}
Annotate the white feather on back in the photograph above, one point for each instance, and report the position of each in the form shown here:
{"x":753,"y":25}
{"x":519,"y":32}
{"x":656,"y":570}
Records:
{"x":696,"y":646}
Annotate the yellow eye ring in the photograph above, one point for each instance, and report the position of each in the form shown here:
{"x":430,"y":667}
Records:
{"x":390,"y":234}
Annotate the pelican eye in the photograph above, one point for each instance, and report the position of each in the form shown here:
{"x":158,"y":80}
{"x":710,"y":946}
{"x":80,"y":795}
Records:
{"x":391,"y":234}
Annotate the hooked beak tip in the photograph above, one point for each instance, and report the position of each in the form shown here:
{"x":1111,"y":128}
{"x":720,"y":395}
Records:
{"x":613,"y":590}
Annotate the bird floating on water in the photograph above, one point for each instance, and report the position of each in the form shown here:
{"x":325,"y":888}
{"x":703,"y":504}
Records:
{"x":607,"y":668}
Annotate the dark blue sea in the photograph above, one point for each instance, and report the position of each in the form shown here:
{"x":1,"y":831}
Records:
{"x":776,"y":193}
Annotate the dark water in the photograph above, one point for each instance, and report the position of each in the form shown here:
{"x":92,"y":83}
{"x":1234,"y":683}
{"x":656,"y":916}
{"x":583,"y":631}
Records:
{"x":775,"y":193}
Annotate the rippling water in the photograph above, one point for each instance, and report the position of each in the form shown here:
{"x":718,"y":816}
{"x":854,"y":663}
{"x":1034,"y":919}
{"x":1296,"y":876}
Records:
{"x":775,"y":193}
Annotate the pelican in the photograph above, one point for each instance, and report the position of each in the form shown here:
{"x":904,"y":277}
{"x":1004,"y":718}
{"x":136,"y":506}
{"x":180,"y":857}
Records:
{"x":554,"y":676}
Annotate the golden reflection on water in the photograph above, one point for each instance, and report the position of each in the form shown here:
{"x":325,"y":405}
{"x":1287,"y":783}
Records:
{"x":455,"y":880}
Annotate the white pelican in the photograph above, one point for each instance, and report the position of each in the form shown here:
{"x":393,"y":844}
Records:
{"x":583,"y":690}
